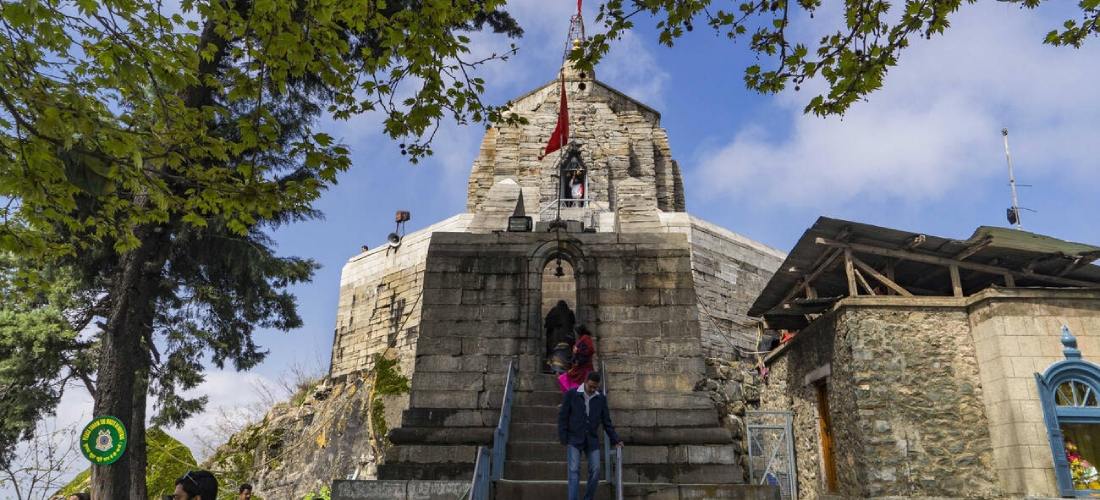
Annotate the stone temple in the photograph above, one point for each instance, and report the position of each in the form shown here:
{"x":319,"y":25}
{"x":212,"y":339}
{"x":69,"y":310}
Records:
{"x":910,"y":365}
{"x":660,"y":289}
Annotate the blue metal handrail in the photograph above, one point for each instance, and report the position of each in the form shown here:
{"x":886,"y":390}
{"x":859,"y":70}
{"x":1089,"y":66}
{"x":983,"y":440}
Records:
{"x":479,"y":487}
{"x":490,"y":464}
{"x":500,"y":436}
{"x":617,"y":479}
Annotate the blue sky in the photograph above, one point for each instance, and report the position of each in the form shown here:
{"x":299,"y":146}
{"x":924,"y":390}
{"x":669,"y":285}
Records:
{"x":924,"y":154}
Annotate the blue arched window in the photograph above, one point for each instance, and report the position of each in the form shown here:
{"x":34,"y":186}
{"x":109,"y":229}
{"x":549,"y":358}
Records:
{"x":1070,"y":393}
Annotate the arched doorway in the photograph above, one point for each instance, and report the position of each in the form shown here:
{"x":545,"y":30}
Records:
{"x":559,"y":306}
{"x":555,"y":288}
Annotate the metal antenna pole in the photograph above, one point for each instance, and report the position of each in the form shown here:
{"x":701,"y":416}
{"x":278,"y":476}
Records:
{"x":1012,"y":181}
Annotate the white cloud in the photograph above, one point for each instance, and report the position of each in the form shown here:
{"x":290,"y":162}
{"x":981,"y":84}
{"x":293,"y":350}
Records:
{"x":634,"y":70}
{"x":935,"y":126}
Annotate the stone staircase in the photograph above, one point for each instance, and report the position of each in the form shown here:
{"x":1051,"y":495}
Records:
{"x":535,"y":465}
{"x":667,"y":458}
{"x":533,"y":451}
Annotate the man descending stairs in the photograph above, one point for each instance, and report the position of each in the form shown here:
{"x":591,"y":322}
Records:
{"x":536,"y":464}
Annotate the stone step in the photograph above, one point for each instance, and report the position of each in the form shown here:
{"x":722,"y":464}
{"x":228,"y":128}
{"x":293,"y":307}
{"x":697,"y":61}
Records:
{"x":399,"y":489}
{"x":661,"y":454}
{"x":660,"y":473}
{"x":506,"y":489}
{"x":538,"y":398}
{"x":532,"y":414}
{"x":534,"y":451}
{"x":422,"y":471}
{"x":537,"y":382}
{"x":537,"y":433}
{"x":512,"y":489}
{"x":539,"y":469}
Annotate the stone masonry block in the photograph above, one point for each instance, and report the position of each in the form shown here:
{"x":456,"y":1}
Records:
{"x":677,"y":296}
{"x":633,"y":418}
{"x":433,"y":453}
{"x":436,"y":490}
{"x":686,"y":418}
{"x":623,"y":329}
{"x":462,"y":381}
{"x":703,"y":454}
{"x":646,"y":455}
{"x":450,"y":313}
{"x":443,"y":399}
{"x":637,"y":297}
{"x":663,"y":280}
{"x":666,"y":383}
{"x":439,"y":345}
{"x":668,"y":347}
{"x":608,"y":344}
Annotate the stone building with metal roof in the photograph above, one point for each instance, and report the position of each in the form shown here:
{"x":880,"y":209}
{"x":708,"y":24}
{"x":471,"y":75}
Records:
{"x":930,"y":367}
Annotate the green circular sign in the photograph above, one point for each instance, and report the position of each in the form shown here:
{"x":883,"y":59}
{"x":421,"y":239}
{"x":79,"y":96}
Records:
{"x":103,"y":440}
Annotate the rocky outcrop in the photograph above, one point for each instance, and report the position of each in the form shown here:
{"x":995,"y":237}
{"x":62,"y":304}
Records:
{"x":331,"y":430}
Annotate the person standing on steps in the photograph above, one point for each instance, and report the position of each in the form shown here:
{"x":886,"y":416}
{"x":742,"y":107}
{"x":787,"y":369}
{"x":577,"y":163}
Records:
{"x":559,"y":336}
{"x":582,"y":413}
{"x":583,"y":350}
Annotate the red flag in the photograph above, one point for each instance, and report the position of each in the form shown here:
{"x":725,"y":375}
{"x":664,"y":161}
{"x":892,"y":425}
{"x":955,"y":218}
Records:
{"x":561,"y":131}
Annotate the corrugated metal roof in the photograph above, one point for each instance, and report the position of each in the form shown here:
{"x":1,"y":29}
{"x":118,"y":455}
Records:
{"x":1006,"y":248}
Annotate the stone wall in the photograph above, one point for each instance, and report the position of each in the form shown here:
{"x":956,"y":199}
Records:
{"x":734,"y":387}
{"x":905,"y":402}
{"x":729,"y":271}
{"x":482,"y":307}
{"x":633,"y":291}
{"x":919,"y":399}
{"x":1016,"y":333}
{"x":379,"y":306}
{"x":785,"y":389}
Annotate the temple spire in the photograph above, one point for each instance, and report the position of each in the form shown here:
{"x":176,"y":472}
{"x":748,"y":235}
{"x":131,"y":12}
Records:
{"x":574,"y":39}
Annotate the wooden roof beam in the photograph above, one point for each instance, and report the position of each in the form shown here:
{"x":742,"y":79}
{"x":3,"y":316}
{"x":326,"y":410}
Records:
{"x":863,"y":281}
{"x":881,"y":278}
{"x":943,"y":261}
{"x":1079,"y":262}
{"x":808,"y":280}
{"x":849,"y":272}
{"x":1043,"y":260}
{"x":974,"y":248}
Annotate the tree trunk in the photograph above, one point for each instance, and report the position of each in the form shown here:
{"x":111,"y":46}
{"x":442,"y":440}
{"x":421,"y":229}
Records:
{"x":139,"y":457}
{"x":122,"y":380}
{"x":122,"y":358}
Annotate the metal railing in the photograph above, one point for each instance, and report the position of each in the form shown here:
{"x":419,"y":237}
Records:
{"x":617,"y":479}
{"x":500,"y":436}
{"x":479,"y":486}
{"x":490,"y":464}
{"x":771,"y":450}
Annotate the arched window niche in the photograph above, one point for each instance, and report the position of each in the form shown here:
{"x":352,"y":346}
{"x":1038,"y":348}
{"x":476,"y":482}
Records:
{"x":573,"y":184}
{"x":1069,"y":391}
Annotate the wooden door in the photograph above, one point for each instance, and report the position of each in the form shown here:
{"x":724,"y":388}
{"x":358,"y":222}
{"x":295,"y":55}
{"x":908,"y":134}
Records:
{"x":826,"y":430}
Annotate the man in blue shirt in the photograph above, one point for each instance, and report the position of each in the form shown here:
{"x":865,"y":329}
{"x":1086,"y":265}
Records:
{"x":582,"y":412}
